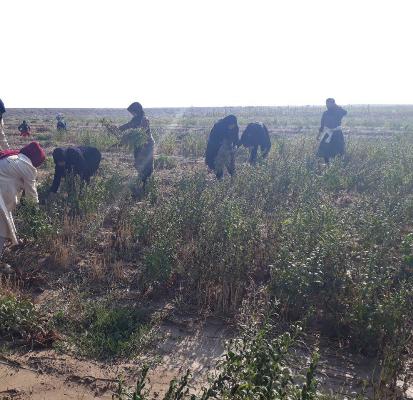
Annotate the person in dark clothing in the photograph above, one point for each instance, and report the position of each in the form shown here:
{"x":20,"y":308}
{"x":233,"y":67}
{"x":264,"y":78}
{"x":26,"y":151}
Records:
{"x":256,"y":135}
{"x":332,"y":139}
{"x":82,"y":160}
{"x":3,"y":141}
{"x":24,"y":129}
{"x":2,"y":108}
{"x":222,"y":141}
{"x":61,"y":123}
{"x":143,"y":152}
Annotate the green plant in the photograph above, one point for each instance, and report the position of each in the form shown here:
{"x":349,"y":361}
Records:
{"x":165,"y":162}
{"x":33,"y":223}
{"x":18,"y":318}
{"x":103,"y":331}
{"x":255,"y":366}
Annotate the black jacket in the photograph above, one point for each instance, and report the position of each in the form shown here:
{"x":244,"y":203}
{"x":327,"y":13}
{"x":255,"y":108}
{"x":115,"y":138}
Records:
{"x":82,"y":160}
{"x":221,"y":133}
{"x":256,"y":134}
{"x":332,"y":117}
{"x":24,"y":127}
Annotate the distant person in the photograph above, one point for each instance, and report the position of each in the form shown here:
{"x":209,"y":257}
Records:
{"x":61,"y":123}
{"x":222,"y":141}
{"x":82,"y":161}
{"x":17,"y":174}
{"x":24,"y":129}
{"x":332,"y":139}
{"x":256,"y":135}
{"x":3,"y":140}
{"x":143,"y":153}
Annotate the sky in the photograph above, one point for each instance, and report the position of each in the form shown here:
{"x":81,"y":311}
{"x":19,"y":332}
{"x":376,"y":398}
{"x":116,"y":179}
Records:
{"x":181,"y":53}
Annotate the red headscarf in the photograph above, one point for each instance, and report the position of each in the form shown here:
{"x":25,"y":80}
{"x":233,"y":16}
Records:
{"x":35,"y":152}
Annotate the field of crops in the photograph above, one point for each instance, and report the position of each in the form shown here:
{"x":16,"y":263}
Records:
{"x":293,"y":280}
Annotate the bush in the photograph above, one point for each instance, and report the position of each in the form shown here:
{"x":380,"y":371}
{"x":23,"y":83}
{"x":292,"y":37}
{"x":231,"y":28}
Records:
{"x":18,"y":318}
{"x":105,"y":331}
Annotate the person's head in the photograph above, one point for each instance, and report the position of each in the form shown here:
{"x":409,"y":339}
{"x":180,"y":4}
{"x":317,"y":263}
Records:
{"x":59,"y":157}
{"x":35,"y":153}
{"x":24,"y":122}
{"x":330,"y":103}
{"x":230,"y":121}
{"x":136,"y":110}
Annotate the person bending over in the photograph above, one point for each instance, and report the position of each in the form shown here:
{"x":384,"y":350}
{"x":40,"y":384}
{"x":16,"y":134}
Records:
{"x":256,"y":135}
{"x":222,"y":141}
{"x":82,"y":161}
{"x":18,"y":173}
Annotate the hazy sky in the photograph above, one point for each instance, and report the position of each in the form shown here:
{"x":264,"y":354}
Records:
{"x":83,"y":53}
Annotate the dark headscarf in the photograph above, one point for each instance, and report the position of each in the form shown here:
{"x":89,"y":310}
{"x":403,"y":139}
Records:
{"x":229,"y":120}
{"x":136,"y":109}
{"x":2,"y":109}
{"x":59,"y":154}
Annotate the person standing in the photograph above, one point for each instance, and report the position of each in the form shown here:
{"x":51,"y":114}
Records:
{"x":18,"y":173}
{"x":24,"y":129}
{"x":61,"y":123}
{"x":332,"y":139}
{"x":3,"y":140}
{"x":222,"y":141}
{"x":144,"y":150}
{"x":256,"y":135}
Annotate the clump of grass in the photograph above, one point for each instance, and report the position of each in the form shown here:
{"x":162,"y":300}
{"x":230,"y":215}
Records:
{"x":33,"y":223}
{"x":103,"y":331}
{"x":100,"y":140}
{"x":165,"y":162}
{"x":19,"y":318}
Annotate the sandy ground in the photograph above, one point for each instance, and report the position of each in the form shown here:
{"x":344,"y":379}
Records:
{"x":42,"y":375}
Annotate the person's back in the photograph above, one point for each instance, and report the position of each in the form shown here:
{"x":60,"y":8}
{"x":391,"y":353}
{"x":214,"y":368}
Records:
{"x":222,"y":141}
{"x":256,"y":135}
{"x":81,"y":160}
{"x":17,"y":173}
{"x":333,"y":116}
{"x":12,"y":169}
{"x":85,"y":160}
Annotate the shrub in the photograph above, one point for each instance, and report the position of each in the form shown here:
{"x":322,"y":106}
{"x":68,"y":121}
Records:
{"x":18,"y":318}
{"x":105,"y":331}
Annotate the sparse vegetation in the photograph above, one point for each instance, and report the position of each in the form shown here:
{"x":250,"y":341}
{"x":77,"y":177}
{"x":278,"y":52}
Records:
{"x":332,"y":246}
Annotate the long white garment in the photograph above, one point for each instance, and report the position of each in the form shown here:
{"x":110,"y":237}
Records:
{"x":3,"y":140}
{"x":16,"y":174}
